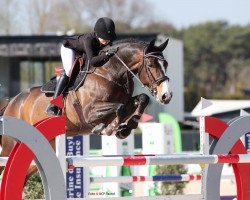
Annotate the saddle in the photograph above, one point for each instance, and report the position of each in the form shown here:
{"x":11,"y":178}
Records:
{"x":78,"y":75}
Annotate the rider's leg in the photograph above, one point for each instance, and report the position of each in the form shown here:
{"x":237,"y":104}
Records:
{"x":68,"y":57}
{"x":60,"y":87}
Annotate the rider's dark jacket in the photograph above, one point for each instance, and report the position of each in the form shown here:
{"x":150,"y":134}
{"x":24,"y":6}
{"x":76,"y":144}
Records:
{"x":88,"y":44}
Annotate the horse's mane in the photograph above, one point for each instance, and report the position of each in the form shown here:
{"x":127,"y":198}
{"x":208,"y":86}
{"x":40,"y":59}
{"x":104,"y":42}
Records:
{"x":129,"y":40}
{"x":126,"y":41}
{"x":123,"y":43}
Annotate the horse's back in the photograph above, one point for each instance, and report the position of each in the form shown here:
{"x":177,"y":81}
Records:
{"x":27,"y":105}
{"x":14,"y":106}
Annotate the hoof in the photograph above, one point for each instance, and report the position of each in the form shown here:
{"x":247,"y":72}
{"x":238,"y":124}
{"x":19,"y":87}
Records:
{"x":133,"y":121}
{"x":123,"y":131}
{"x":98,"y":129}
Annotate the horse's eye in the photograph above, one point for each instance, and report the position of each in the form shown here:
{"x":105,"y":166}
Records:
{"x":150,"y":65}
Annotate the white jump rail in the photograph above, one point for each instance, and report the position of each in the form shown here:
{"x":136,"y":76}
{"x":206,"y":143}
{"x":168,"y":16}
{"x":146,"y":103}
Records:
{"x":175,"y":197}
{"x":156,"y":160}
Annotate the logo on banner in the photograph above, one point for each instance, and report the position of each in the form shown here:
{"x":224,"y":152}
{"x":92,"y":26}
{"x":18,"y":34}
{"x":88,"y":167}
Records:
{"x":247,"y":142}
{"x":74,"y":177}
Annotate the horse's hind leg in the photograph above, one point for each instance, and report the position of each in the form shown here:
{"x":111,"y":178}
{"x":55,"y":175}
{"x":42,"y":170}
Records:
{"x":7,"y":144}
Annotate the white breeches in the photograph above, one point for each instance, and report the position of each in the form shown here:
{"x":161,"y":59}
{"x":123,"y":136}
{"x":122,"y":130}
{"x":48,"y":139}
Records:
{"x":68,"y":57}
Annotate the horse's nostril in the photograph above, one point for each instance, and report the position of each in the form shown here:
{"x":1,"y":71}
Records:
{"x":166,"y":96}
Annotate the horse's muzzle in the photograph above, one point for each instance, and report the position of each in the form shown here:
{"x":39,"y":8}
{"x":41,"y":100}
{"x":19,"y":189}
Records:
{"x":163,"y":94}
{"x":166,"y":98}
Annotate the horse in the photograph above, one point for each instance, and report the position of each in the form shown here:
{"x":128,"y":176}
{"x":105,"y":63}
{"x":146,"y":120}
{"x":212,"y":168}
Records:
{"x":106,"y":97}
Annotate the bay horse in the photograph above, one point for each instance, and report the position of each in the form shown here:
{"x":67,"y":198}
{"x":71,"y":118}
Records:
{"x":106,"y":95}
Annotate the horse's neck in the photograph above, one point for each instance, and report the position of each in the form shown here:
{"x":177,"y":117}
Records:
{"x":129,"y":57}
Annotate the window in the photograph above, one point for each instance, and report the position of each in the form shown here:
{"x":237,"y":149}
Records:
{"x":36,"y":73}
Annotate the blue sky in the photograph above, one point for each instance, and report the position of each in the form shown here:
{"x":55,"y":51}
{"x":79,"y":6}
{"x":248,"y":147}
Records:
{"x":183,"y":13}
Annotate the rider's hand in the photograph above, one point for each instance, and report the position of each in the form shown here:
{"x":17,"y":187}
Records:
{"x":111,"y":51}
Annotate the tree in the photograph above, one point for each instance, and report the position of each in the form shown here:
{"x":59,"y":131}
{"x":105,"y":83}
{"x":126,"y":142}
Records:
{"x":171,"y":188}
{"x":81,"y":15}
{"x":203,"y":66}
{"x":33,"y":188}
{"x":8,"y":16}
{"x":39,"y":15}
{"x":51,"y":16}
{"x":129,"y":12}
{"x":158,"y":26}
{"x":215,"y":53}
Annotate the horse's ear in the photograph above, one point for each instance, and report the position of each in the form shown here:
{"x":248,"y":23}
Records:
{"x":152,"y":43}
{"x":151,"y":46}
{"x":163,"y":45}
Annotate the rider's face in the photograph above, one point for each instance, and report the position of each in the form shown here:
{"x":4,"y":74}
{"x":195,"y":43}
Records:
{"x":103,"y":42}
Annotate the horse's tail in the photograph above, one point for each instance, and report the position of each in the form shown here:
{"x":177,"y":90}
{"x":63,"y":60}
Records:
{"x":3,"y":105}
{"x":2,"y":110}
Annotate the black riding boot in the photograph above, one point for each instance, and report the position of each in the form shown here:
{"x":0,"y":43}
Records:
{"x":60,"y":87}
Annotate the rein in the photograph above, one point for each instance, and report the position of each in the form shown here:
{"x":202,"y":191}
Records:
{"x":133,"y":74}
{"x":154,"y":82}
{"x":151,"y":89}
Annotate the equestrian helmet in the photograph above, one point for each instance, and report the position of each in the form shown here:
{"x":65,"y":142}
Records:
{"x":105,"y":28}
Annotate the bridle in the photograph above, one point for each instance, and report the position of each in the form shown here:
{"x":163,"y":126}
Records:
{"x":154,"y":81}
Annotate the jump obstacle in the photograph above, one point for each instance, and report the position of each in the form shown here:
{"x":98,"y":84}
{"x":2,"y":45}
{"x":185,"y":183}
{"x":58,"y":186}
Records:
{"x":129,"y":179}
{"x":156,"y":178}
{"x":226,"y":141}
{"x":157,"y":136}
{"x":30,"y":140}
{"x":157,"y":160}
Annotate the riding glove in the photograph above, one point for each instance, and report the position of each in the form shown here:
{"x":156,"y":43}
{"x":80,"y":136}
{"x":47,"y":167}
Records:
{"x":111,"y":51}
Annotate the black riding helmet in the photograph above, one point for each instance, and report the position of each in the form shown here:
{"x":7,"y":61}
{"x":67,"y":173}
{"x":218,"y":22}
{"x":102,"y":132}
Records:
{"x":105,"y":28}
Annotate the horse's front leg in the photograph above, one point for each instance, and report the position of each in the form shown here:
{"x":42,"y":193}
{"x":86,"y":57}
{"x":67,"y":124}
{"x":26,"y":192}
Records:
{"x":136,"y":110}
{"x":111,"y":128}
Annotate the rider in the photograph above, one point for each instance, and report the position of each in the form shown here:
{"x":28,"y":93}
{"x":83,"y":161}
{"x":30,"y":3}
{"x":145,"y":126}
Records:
{"x":90,"y":44}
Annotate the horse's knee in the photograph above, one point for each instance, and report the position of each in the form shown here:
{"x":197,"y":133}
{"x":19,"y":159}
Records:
{"x":144,"y":99}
